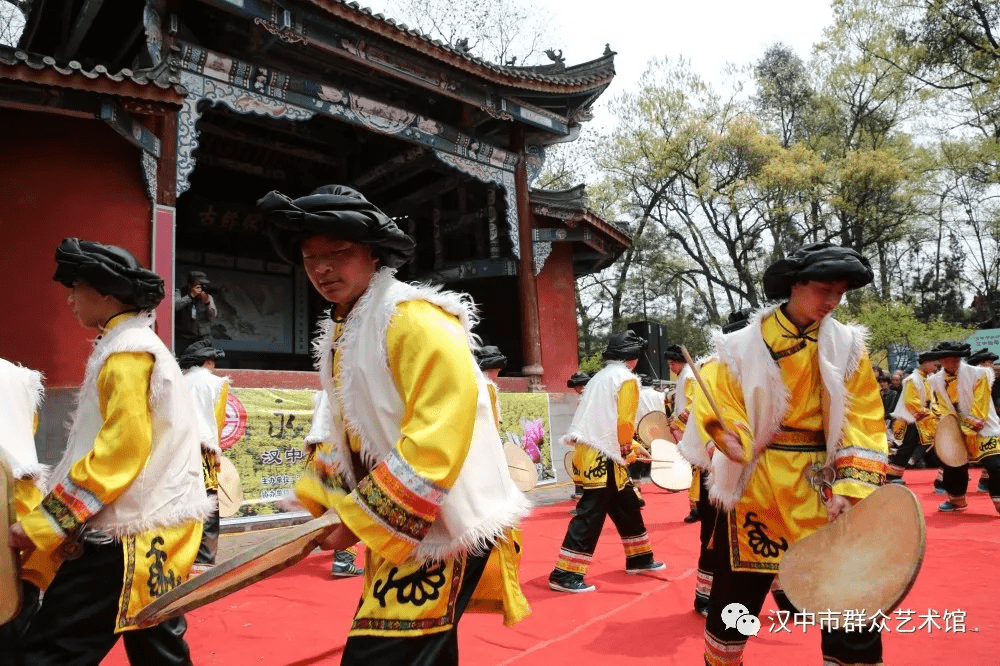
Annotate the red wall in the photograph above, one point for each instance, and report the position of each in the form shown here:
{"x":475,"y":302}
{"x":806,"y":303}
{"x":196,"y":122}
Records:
{"x":557,"y":318}
{"x":60,"y":177}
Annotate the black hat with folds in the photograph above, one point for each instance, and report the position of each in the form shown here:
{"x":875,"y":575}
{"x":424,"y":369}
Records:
{"x":111,"y":270}
{"x":952,"y":350}
{"x":982,"y":355}
{"x":578,"y":379}
{"x":197,"y":353}
{"x":624,"y":346}
{"x":674,"y":353}
{"x":930,"y":355}
{"x":490,"y":357}
{"x":817,"y":261}
{"x":737,"y":319}
{"x":336,"y":211}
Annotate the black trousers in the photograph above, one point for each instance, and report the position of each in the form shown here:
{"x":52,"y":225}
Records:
{"x":209,"y":546}
{"x":956,"y":479}
{"x":76,"y":623}
{"x":597,"y":504}
{"x":440,"y":649}
{"x":899,"y":459}
{"x":750,"y":589}
{"x":12,"y":633}
{"x":706,"y":557}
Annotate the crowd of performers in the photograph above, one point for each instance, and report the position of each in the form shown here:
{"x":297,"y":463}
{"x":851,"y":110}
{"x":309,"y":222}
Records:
{"x":406,"y":450}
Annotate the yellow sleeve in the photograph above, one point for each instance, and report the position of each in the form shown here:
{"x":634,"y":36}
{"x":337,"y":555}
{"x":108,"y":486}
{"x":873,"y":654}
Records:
{"x":981,"y":399}
{"x":861,"y":457}
{"x":728,"y":396}
{"x":911,"y":398}
{"x":120,"y":451}
{"x":494,"y":403}
{"x":681,"y":419}
{"x":220,"y":407}
{"x":392,"y":508}
{"x":628,"y":404}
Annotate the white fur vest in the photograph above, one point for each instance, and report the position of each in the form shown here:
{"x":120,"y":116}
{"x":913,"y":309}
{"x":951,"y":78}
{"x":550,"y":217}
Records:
{"x":20,"y":396}
{"x":766,"y":397}
{"x":902,"y":411}
{"x":169,"y":490}
{"x":206,"y":388}
{"x":595,"y":423}
{"x":483,"y":502}
{"x":968,"y":377}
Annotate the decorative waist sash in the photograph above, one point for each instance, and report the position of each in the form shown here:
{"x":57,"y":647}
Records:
{"x":788,"y":439}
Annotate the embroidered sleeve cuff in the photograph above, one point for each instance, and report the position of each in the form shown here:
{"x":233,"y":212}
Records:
{"x":63,"y":511}
{"x":859,"y":472}
{"x":392,"y":509}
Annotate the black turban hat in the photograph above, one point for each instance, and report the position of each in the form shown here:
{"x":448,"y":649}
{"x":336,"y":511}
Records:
{"x":981,"y":355}
{"x":674,"y":353}
{"x":818,"y":261}
{"x":490,"y":358}
{"x":197,"y":353}
{"x":923,"y":357}
{"x":109,"y":269}
{"x":336,"y":211}
{"x":952,"y":350}
{"x":578,"y":379}
{"x":737,"y":319}
{"x":624,"y":346}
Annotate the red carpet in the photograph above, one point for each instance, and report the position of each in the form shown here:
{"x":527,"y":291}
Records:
{"x":301,"y":616}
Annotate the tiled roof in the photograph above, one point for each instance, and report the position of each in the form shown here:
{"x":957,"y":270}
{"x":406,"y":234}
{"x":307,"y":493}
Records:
{"x":546,"y":78}
{"x":161,"y":84}
{"x":575,"y":200}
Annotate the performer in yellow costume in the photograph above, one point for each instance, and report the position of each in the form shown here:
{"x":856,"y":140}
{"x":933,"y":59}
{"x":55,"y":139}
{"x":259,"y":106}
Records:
{"x":699,"y":452}
{"x":121,"y":521}
{"x":414,"y":466}
{"x":577,"y":382}
{"x":800,"y":401}
{"x":681,"y":411}
{"x":210,"y":393}
{"x":914,"y":421}
{"x":602,"y":431}
{"x":491,"y":361}
{"x":20,"y":394}
{"x":964,"y":390}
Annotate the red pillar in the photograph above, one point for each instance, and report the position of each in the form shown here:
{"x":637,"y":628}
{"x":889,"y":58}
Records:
{"x":527,"y":286}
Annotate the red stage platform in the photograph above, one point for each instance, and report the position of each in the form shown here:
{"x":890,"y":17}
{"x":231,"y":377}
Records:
{"x":301,"y":616}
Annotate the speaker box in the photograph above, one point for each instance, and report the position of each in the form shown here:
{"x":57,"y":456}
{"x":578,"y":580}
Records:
{"x":651,"y":362}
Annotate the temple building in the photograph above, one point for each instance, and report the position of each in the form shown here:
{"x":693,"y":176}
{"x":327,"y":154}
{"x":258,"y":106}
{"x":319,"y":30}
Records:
{"x":157,"y":126}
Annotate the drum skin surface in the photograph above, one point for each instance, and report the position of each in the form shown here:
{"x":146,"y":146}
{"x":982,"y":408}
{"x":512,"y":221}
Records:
{"x":949,"y":443}
{"x":230,"y":489}
{"x":865,"y":560}
{"x":522,"y":468}
{"x":669,"y":471}
{"x":654,"y":425}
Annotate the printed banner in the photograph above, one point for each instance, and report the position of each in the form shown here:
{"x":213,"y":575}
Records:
{"x":988,"y":337}
{"x":263,"y":438}
{"x":265,"y":430}
{"x":525,"y":421}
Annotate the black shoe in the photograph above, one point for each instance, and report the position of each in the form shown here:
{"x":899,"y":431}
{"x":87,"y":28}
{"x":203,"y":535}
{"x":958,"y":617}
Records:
{"x":701,"y":606}
{"x":571,"y":584}
{"x":692,"y":517}
{"x":646,"y":568}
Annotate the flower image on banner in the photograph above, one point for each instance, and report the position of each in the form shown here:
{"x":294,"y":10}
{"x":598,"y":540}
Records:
{"x":525,"y":422}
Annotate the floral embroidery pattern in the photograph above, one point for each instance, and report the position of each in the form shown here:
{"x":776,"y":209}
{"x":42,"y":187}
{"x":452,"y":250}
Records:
{"x":160,"y":580}
{"x":759,"y":542}
{"x":70,"y":506}
{"x":418,"y":588}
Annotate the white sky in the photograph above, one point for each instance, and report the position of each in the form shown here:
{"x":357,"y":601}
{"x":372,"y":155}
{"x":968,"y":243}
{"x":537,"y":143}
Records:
{"x":708,"y":33}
